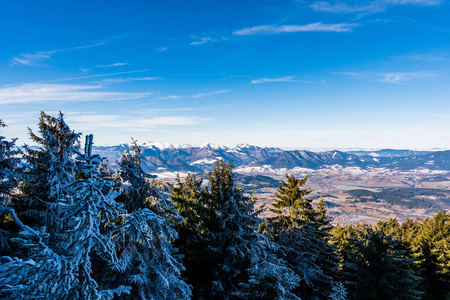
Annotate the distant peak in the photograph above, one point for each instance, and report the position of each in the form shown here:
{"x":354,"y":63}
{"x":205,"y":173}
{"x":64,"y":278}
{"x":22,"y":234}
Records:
{"x":161,"y":146}
{"x":244,"y":145}
{"x":212,"y":146}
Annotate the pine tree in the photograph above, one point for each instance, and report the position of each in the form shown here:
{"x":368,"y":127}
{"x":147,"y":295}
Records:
{"x":302,"y":233}
{"x":50,"y":169}
{"x":378,"y":268}
{"x":41,"y":272}
{"x":328,"y":259}
{"x":237,"y":259}
{"x":194,"y":234}
{"x":339,"y":292}
{"x":430,"y":249}
{"x":9,"y":164}
{"x":9,"y":179}
{"x":270,"y":279}
{"x":148,"y":265}
{"x":88,"y":210}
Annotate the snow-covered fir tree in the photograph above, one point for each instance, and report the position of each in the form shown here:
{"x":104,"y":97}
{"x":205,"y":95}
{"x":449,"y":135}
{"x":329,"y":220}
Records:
{"x":339,"y":292}
{"x":88,"y":210}
{"x":39,"y":272}
{"x":50,"y":169}
{"x":147,"y":258}
{"x":9,"y":179}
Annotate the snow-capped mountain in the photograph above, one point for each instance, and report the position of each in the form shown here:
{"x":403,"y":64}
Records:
{"x":166,"y":157}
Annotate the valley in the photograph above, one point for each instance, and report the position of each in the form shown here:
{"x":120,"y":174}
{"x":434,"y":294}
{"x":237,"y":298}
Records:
{"x":358,"y":186}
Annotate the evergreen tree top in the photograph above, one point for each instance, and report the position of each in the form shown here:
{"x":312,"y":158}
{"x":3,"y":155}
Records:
{"x":55,"y":134}
{"x":289,"y":199}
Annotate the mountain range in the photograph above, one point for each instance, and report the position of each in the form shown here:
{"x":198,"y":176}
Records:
{"x":164,"y":157}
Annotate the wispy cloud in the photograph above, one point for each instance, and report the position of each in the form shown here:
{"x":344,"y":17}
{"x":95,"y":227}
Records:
{"x":342,"y":7}
{"x":416,"y":2}
{"x":199,"y":95}
{"x":99,"y":75}
{"x":112,"y":65}
{"x":399,"y":78}
{"x":121,"y":80}
{"x":275,"y":29}
{"x":426,"y":57}
{"x":42,"y":92}
{"x":371,"y":6}
{"x":206,"y":39}
{"x":162,"y":49}
{"x":32,"y":59}
{"x":203,"y":40}
{"x":133,"y":122}
{"x":281,"y":79}
{"x":392,"y":77}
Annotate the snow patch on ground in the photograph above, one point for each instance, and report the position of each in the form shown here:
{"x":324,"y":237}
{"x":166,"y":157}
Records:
{"x":171,"y":175}
{"x":205,"y":161}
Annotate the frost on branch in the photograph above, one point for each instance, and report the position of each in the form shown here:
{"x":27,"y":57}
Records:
{"x":147,"y":260}
{"x":43,"y":274}
{"x":88,"y":211}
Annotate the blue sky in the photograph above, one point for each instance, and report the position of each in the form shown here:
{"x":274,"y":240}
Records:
{"x":293,"y":74}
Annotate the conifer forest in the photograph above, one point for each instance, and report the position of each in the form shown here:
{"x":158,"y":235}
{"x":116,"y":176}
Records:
{"x":73,"y":228}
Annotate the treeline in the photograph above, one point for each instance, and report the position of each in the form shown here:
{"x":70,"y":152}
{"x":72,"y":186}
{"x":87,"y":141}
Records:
{"x":71,"y":228}
{"x":406,"y":197}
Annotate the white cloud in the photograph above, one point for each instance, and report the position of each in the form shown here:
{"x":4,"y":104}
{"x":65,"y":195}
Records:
{"x":275,"y":29}
{"x":143,"y":78}
{"x":282,"y":79}
{"x":32,"y":59}
{"x":173,"y":97}
{"x":206,"y":39}
{"x":129,"y":123}
{"x":391,"y":77}
{"x":415,"y":2}
{"x":99,"y":75}
{"x":162,"y":49}
{"x":199,"y":95}
{"x":342,"y":7}
{"x":112,"y":65}
{"x":371,"y":6}
{"x":203,"y":40}
{"x":427,"y":57}
{"x":44,"y":92}
{"x":121,"y":80}
{"x":398,"y":78}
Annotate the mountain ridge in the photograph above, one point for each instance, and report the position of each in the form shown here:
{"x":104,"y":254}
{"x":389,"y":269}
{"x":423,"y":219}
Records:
{"x":166,"y":157}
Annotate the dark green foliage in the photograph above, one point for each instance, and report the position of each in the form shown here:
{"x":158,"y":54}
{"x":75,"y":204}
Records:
{"x":225,"y":256}
{"x":258,"y":182}
{"x":407,"y":197}
{"x":194,"y":233}
{"x":302,"y":233}
{"x":9,"y":167}
{"x":132,"y":244}
{"x":378,"y":269}
{"x":430,"y":247}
